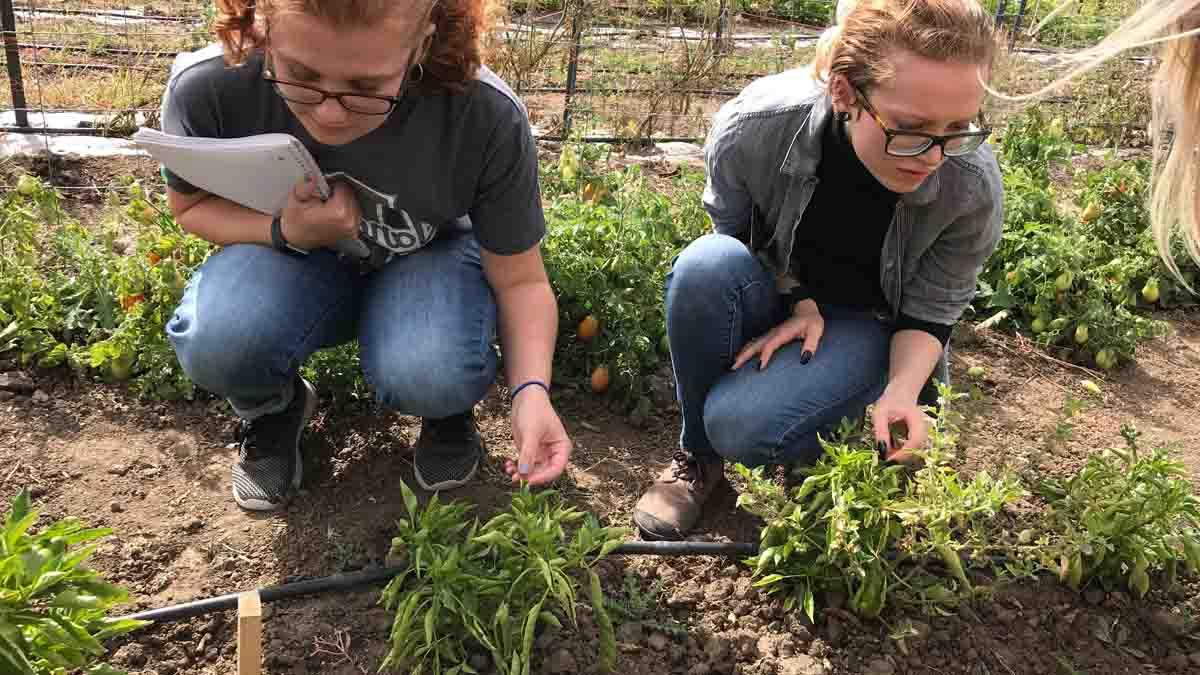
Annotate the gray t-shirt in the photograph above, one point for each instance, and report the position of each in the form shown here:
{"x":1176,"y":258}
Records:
{"x":440,"y":162}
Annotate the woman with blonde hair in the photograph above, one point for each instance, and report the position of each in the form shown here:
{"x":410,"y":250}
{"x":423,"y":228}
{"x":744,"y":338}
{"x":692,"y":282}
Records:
{"x":855,"y":202}
{"x":1174,"y":26}
{"x":427,"y":250}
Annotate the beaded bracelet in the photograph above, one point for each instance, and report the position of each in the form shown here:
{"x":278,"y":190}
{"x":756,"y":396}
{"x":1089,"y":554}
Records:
{"x":534,"y":383}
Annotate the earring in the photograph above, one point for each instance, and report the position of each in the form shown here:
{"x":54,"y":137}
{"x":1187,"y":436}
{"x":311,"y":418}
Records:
{"x":419,"y":69}
{"x":843,"y":116}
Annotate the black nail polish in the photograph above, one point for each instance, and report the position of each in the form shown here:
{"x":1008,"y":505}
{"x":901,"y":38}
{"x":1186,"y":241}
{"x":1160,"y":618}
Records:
{"x":882,"y":447}
{"x":805,"y":357}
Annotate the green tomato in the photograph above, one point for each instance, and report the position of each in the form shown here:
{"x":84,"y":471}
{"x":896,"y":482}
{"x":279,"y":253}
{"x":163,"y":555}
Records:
{"x":121,"y":367}
{"x":1064,"y":281}
{"x":1081,"y":334}
{"x":1039,"y":325}
{"x":27,"y":185}
{"x":1150,"y":291}
{"x":568,"y":164}
{"x":1106,"y":359}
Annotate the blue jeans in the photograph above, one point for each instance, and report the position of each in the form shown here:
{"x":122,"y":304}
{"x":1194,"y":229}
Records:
{"x":425,"y":323}
{"x":718,"y":298}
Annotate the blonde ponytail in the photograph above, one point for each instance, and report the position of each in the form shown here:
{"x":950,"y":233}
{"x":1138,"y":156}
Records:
{"x":1174,"y":202}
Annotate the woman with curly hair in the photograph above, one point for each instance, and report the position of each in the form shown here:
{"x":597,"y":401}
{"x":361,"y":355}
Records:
{"x":425,"y":252}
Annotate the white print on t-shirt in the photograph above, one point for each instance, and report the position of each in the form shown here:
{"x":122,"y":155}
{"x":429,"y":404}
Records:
{"x":382,"y":223}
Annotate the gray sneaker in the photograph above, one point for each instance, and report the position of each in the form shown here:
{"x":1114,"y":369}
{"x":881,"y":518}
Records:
{"x":269,"y":467}
{"x":448,"y":452}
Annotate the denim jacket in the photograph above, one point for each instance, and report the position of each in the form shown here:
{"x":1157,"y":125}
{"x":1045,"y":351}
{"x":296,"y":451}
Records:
{"x":762,"y":155}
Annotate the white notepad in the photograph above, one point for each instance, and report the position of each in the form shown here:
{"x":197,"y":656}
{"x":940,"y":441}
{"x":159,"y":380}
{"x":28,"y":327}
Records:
{"x":258,"y":172}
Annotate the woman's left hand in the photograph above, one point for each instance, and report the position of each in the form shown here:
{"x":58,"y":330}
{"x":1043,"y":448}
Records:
{"x":892,"y":408}
{"x":543,"y":446}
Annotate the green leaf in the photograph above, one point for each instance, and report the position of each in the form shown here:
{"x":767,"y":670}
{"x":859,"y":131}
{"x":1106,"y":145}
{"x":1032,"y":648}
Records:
{"x":46,"y":581}
{"x":527,"y":636}
{"x":102,"y":589}
{"x":19,"y":510}
{"x":74,"y":600}
{"x":80,"y":636}
{"x":549,"y":618}
{"x":769,"y":579}
{"x":84,"y":535}
{"x":410,"y":501}
{"x":608,"y":641}
{"x":12,"y":657}
{"x":15,"y":528}
{"x":809,"y":603}
{"x":115,"y":627}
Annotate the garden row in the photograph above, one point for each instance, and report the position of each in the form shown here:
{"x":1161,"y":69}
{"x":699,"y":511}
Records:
{"x":1077,"y":270}
{"x":472,"y":594}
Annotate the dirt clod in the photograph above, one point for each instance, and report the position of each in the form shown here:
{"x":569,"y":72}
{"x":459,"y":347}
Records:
{"x":1167,"y":624}
{"x":562,"y":661}
{"x":801,"y":664}
{"x":880,"y":667}
{"x":629,"y":632}
{"x":1176,"y":661}
{"x":17,"y":383}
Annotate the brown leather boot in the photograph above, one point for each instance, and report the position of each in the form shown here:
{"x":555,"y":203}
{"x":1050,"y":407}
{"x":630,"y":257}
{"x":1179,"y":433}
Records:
{"x":671,"y":506}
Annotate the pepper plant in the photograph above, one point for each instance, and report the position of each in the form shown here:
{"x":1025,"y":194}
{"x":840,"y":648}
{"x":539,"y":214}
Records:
{"x":53,"y":609}
{"x":861,"y":527}
{"x":470,"y":587}
{"x":1126,"y":514}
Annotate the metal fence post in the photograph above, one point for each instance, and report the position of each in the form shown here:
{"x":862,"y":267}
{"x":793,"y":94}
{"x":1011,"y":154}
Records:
{"x":1001,"y":13}
{"x":1012,"y":38}
{"x":722,"y":17}
{"x":12,"y":58}
{"x":572,"y":66}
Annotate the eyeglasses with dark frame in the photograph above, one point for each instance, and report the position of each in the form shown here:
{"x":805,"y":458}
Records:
{"x":362,"y":104}
{"x":916,"y":143}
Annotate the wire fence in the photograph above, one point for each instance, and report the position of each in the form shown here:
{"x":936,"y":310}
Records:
{"x":633,"y":71}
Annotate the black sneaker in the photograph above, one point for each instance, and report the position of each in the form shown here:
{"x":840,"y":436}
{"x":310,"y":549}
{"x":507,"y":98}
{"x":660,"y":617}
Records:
{"x":269,"y":468}
{"x":448,"y":452}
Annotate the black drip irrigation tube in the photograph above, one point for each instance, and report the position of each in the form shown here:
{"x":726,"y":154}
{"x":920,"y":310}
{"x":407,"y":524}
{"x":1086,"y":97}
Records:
{"x":373,"y":577}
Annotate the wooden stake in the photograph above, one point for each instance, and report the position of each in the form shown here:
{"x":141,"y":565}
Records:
{"x":249,"y":644}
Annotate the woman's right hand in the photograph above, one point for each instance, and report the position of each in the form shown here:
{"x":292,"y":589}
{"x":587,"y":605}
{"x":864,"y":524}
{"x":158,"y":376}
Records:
{"x":804,"y":324}
{"x":309,"y":223}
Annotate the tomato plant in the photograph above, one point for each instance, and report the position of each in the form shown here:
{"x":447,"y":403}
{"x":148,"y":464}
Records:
{"x":612,"y":238}
{"x":1077,"y":284}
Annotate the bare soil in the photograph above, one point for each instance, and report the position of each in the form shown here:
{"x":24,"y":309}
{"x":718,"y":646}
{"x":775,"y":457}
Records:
{"x":159,"y":475}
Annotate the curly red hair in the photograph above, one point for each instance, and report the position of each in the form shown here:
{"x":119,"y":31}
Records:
{"x":453,"y":59}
